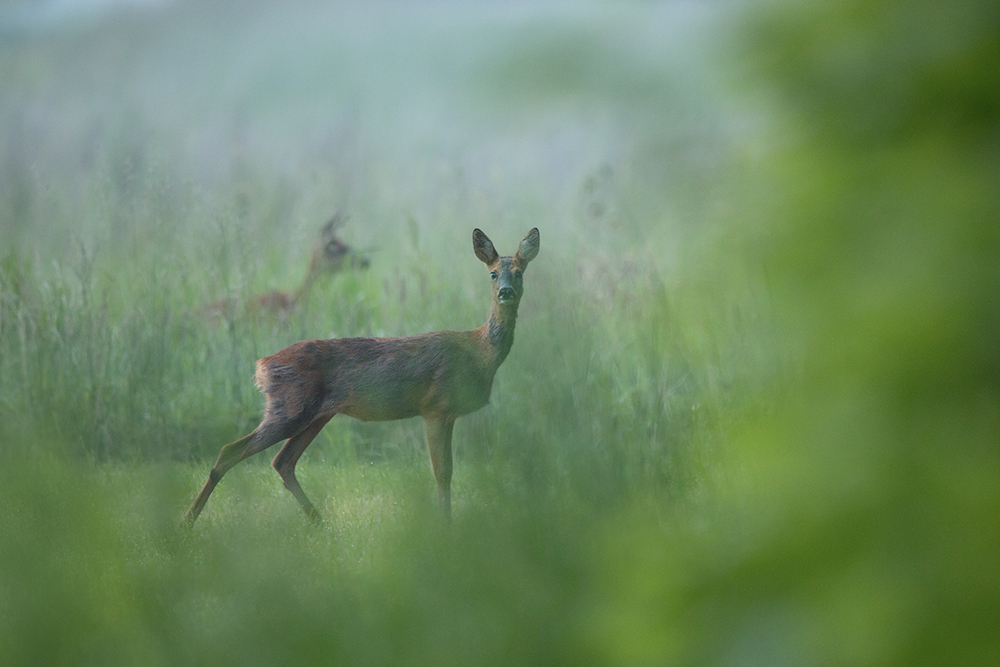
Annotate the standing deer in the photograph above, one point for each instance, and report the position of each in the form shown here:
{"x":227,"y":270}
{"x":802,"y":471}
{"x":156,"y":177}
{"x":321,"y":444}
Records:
{"x":329,"y":256}
{"x":439,"y":376}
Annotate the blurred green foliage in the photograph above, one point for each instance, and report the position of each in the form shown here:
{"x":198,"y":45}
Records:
{"x":752,"y":415}
{"x":876,"y":479}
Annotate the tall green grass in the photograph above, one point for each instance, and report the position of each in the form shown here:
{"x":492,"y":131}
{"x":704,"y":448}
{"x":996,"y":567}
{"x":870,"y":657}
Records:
{"x":622,"y":338}
{"x":750,"y":415}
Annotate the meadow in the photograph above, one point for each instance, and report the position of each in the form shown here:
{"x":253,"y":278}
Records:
{"x":752,"y":409}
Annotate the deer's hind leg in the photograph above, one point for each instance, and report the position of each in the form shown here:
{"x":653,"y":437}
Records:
{"x":289,"y":455}
{"x":264,"y":436}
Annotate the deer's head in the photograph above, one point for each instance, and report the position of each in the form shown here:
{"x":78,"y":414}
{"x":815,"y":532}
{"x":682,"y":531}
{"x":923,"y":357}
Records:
{"x":332,"y":254}
{"x":506,"y":272}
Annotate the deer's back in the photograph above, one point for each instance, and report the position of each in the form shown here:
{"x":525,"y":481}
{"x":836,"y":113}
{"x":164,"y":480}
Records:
{"x":379,"y":379}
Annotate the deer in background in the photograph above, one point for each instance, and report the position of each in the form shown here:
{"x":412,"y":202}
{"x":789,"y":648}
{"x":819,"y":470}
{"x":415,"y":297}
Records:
{"x":439,"y":376}
{"x":329,"y":256}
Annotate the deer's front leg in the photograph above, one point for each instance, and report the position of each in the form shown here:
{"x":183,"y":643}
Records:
{"x":439,"y":430}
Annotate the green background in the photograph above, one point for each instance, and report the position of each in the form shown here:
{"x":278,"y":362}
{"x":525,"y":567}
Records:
{"x":752,"y":412}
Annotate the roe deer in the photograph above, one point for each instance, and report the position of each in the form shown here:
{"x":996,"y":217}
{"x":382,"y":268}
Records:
{"x":329,"y":256}
{"x":439,"y":376}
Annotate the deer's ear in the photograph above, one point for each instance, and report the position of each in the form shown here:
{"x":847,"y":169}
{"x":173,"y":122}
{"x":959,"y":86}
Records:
{"x":528,"y":249}
{"x":483,"y":247}
{"x":331,"y":226}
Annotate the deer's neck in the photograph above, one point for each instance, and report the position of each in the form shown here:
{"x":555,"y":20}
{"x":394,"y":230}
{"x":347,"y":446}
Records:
{"x":303,"y":290}
{"x":500,"y":330}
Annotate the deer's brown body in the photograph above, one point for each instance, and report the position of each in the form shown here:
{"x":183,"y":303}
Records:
{"x":439,"y":376}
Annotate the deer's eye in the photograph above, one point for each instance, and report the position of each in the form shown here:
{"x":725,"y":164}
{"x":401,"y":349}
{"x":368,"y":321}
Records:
{"x":493,"y":275}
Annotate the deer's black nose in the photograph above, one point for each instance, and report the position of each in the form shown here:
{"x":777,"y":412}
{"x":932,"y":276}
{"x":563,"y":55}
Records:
{"x":506,"y":293}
